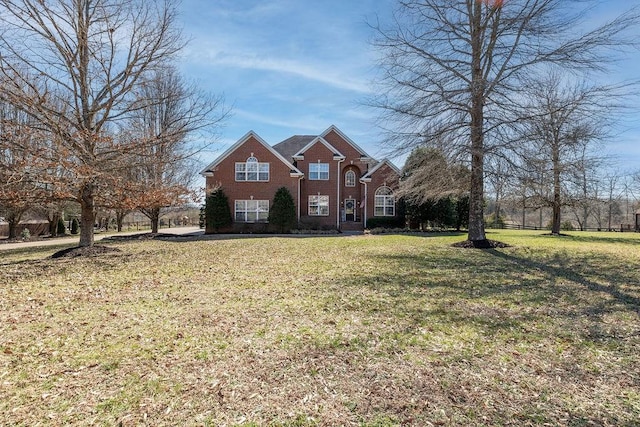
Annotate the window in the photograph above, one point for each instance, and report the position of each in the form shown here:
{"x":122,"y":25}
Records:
{"x":252,"y":170}
{"x":350,"y":179}
{"x":385,"y":203}
{"x":319,"y":171}
{"x":318,"y":205}
{"x":252,"y":210}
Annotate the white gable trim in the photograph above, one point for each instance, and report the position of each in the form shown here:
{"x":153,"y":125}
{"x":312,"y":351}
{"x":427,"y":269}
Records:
{"x":367,"y":176}
{"x":209,"y":169}
{"x":337,"y":155}
{"x":334,"y":128}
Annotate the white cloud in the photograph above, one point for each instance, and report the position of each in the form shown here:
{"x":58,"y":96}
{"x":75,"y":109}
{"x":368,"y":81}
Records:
{"x":299,"y":124}
{"x":330,"y":76}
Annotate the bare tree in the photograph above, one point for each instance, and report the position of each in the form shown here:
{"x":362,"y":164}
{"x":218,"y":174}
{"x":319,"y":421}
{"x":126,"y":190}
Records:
{"x":453,"y":70}
{"x":171,"y":113}
{"x":501,"y":175}
{"x":584,"y":186}
{"x":74,"y":67}
{"x":560,"y":123}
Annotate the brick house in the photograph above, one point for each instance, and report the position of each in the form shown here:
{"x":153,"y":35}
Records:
{"x":334,"y":183}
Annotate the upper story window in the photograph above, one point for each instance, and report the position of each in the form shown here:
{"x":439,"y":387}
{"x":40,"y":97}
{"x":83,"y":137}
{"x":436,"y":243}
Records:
{"x":252,"y":170}
{"x":318,"y":171}
{"x":350,"y":179}
{"x":385,"y":202}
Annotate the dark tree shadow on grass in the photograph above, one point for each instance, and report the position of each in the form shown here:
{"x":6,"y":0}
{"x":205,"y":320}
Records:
{"x":545,"y":319}
{"x":631,"y":302}
{"x":522,"y":289}
{"x":632,"y":241}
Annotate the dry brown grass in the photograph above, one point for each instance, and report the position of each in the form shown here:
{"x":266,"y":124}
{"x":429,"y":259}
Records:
{"x":364,"y":331}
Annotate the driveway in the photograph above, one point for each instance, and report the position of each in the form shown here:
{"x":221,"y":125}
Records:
{"x":71,"y":240}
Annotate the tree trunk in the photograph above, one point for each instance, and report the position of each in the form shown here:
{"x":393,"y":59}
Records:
{"x":53,"y":223}
{"x":555,"y":220}
{"x":476,"y":197}
{"x":87,"y":215}
{"x":540,"y":212}
{"x":13,"y":228}
{"x":120,"y":219}
{"x":476,"y":200}
{"x":155,"y":219}
{"x":14,"y":218}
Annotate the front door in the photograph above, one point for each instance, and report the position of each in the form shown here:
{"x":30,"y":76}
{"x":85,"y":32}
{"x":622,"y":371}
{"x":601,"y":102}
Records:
{"x":350,"y":209}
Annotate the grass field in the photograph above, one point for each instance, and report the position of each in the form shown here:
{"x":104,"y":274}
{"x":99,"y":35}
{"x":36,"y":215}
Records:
{"x":355,"y":331}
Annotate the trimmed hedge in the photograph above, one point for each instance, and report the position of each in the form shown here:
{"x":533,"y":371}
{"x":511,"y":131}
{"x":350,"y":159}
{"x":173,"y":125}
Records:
{"x":385,"y":222}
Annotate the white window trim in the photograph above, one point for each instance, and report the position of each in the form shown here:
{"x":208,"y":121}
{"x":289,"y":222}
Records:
{"x":245,"y":209}
{"x":384,"y":201}
{"x":244,"y":169}
{"x":346,"y":181}
{"x":318,"y":172}
{"x":318,"y":205}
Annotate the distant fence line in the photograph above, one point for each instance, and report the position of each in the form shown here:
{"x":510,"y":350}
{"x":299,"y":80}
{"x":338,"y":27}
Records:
{"x":627,"y":228}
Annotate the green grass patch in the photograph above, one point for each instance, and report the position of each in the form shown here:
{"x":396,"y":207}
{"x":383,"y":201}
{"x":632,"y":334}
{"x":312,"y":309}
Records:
{"x":362,"y":330}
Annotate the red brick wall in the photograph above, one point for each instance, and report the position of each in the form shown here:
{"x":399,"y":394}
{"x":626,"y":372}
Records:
{"x":224,"y":176}
{"x":352,"y":162}
{"x":319,"y":152}
{"x":279,"y":176}
{"x":385,"y":175}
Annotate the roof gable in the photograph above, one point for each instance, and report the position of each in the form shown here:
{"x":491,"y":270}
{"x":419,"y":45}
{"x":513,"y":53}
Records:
{"x":337,"y":155}
{"x":251,"y":134}
{"x":373,"y":170}
{"x":290,"y":146}
{"x":334,"y":128}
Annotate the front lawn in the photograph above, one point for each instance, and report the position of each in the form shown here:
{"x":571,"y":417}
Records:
{"x":361,"y":330}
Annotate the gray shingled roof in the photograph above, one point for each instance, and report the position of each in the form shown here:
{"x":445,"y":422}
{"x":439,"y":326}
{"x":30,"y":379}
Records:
{"x":292,"y":145}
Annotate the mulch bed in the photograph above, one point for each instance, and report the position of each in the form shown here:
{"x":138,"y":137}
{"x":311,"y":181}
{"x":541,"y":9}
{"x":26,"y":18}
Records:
{"x":482,"y":244}
{"x":143,"y":236}
{"x":92,"y":251}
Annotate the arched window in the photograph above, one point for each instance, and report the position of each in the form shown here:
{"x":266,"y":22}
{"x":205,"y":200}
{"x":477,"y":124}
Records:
{"x":385,"y":202}
{"x":252,"y":170}
{"x":350,"y":179}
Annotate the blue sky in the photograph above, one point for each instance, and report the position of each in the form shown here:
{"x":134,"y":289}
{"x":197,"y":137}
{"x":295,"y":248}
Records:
{"x":298,"y":66}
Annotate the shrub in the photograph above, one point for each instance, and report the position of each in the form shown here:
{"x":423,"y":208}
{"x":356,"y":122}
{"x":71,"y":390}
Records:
{"x":494,"y":222}
{"x":61,"y":229}
{"x":309,"y":223}
{"x":385,"y":222}
{"x":201,"y":217}
{"x":75,"y":226}
{"x":217,"y":212}
{"x":282,"y":213}
{"x":26,"y":234}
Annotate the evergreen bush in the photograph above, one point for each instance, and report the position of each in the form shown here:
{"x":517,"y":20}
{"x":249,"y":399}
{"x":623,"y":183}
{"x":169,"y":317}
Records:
{"x":61,"y":229}
{"x":75,"y":226}
{"x":385,"y":222}
{"x":282,"y":213}
{"x":217,"y":211}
